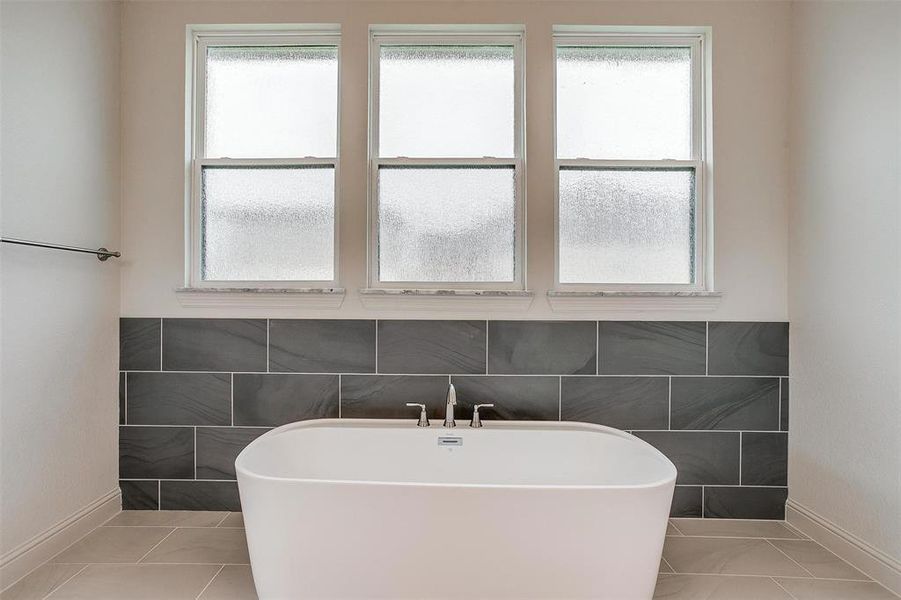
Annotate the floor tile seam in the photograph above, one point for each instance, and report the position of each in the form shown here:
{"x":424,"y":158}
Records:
{"x":666,"y":562}
{"x":780,"y":586}
{"x":210,"y":582}
{"x":166,"y":537}
{"x":804,"y":578}
{"x":790,"y":558}
{"x":736,"y":537}
{"x":67,"y":580}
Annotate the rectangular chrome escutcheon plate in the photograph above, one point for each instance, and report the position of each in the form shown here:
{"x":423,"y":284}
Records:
{"x":450,"y":441}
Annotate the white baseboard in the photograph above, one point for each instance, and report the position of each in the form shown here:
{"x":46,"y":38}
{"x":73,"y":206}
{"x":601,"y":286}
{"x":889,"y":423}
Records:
{"x":26,"y":557}
{"x":872,"y":561}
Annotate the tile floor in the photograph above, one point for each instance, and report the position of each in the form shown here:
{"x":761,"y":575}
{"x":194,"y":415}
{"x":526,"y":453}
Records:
{"x":170,"y":555}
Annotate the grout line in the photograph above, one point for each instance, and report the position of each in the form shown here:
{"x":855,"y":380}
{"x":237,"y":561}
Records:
{"x":376,"y":346}
{"x":232,"y":399}
{"x":706,"y":347}
{"x":195,"y":453}
{"x":805,"y":569}
{"x":597,"y":347}
{"x":702,"y":502}
{"x":739,"y":456}
{"x":159,"y":494}
{"x":669,"y":406}
{"x":779,"y":585}
{"x":161,"y":344}
{"x":596,"y":376}
{"x":154,"y":547}
{"x":339,"y":395}
{"x":67,"y":580}
{"x":713,"y":574}
{"x":548,"y":374}
{"x":711,"y":431}
{"x":666,"y":562}
{"x":780,"y":404}
{"x":560,"y":398}
{"x":268,"y":370}
{"x":486,"y":346}
{"x":125,"y":400}
{"x":676,"y":527}
{"x":227,"y":513}
{"x":210,"y":582}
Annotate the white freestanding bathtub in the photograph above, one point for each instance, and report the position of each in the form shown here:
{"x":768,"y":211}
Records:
{"x":358,"y":508}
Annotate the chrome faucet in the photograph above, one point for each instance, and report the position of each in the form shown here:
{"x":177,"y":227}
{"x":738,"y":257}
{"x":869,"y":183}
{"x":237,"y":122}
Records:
{"x":449,"y":408}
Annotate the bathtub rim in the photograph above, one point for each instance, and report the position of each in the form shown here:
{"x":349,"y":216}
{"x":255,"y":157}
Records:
{"x":242,"y":470}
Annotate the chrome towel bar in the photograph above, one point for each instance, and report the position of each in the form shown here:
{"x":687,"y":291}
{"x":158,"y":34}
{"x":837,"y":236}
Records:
{"x":101,"y":253}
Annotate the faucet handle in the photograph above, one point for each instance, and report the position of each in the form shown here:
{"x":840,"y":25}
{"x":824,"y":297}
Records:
{"x":476,"y":419}
{"x":423,"y":417}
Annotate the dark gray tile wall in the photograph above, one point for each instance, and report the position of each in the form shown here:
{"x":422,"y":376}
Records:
{"x":621,"y":402}
{"x":431,"y":347}
{"x":748,"y":348}
{"x":321,"y":346}
{"x":273,"y":399}
{"x":652,"y":348}
{"x":711,"y":396}
{"x":139,"y":344}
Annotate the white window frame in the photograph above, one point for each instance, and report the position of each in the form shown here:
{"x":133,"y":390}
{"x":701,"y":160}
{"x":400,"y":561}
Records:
{"x":471,"y":35}
{"x":696,"y":38}
{"x":200,"y":37}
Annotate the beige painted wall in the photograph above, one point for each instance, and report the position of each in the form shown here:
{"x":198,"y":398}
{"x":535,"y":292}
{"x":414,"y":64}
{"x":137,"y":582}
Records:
{"x":750,"y":49}
{"x":58,"y":337}
{"x":845,"y":267}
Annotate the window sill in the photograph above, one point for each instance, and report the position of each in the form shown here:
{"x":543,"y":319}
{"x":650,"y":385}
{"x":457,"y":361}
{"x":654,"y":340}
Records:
{"x":316,"y":298}
{"x":429,"y":299}
{"x":576,"y":300}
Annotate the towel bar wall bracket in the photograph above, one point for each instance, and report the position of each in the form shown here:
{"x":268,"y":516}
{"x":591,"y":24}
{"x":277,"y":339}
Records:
{"x":101,"y":253}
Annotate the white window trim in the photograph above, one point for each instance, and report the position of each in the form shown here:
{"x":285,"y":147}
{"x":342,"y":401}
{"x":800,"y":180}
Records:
{"x":698,"y":39}
{"x":199,"y":37}
{"x":449,"y":35}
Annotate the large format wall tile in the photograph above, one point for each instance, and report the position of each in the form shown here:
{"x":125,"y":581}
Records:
{"x":199,"y":495}
{"x":214,"y":344}
{"x":179,"y":399}
{"x":385,"y":396}
{"x":748,"y":349}
{"x":140,"y":495}
{"x":725,"y":403}
{"x":522,"y":398}
{"x":686,"y":501}
{"x":275,"y":399}
{"x":621,"y":402}
{"x":703,"y":457}
{"x":156,"y":452}
{"x":542,"y":347}
{"x":745,"y":502}
{"x":764,"y":458}
{"x":431,"y":347}
{"x":139,"y":344}
{"x":218,"y":447}
{"x":322,"y":346}
{"x":652,"y":348}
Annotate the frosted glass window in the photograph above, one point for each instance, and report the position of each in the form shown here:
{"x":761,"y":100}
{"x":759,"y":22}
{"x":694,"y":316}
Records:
{"x":446,"y":101}
{"x":267,"y":223}
{"x":620,"y":103}
{"x":446,"y":224}
{"x":271,"y":102}
{"x":626,"y":225}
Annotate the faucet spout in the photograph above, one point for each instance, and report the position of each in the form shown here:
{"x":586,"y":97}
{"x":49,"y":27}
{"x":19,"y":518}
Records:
{"x":449,"y":408}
